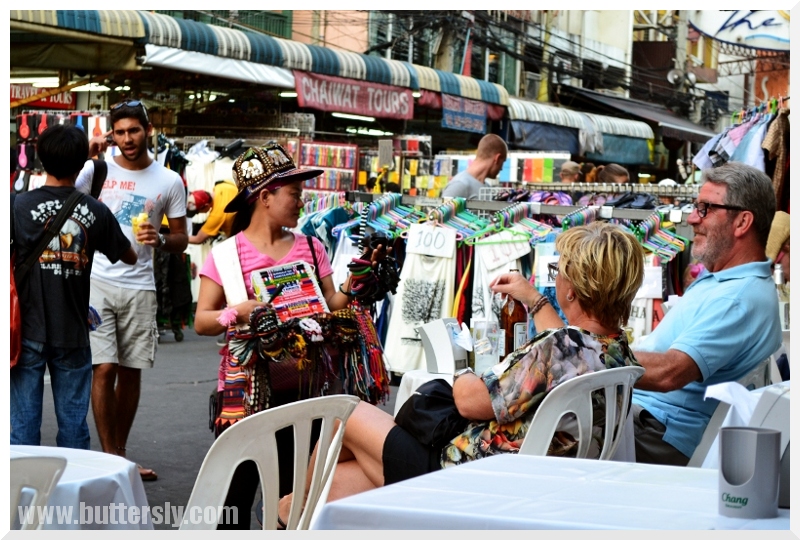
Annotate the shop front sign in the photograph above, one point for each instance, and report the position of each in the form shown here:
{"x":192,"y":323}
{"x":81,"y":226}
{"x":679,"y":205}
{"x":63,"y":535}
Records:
{"x":463,"y":114}
{"x":768,"y":30}
{"x":336,"y":94}
{"x":62,"y":100}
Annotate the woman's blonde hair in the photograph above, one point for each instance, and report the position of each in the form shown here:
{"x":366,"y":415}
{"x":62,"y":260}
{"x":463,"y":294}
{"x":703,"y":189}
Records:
{"x":605,"y":265}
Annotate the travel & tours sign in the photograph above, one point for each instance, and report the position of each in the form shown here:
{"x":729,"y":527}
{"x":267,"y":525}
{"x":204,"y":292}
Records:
{"x":62,"y":100}
{"x":336,"y":94}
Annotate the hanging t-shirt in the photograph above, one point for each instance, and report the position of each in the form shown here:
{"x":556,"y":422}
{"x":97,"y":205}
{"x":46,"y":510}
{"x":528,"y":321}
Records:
{"x":154,"y":190}
{"x":344,"y":254}
{"x":486,"y":271}
{"x":54,"y":295}
{"x":749,"y":150}
{"x":425,"y":293}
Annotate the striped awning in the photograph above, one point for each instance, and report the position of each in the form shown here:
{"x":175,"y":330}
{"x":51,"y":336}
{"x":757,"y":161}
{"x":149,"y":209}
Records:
{"x":533,"y":111}
{"x":458,"y":85}
{"x":165,"y":31}
{"x":621,"y":126}
{"x":109,"y":22}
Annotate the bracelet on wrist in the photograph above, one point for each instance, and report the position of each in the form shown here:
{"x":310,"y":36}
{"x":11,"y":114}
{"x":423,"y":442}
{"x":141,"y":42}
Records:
{"x":341,"y":290}
{"x":227,"y":317}
{"x":538,"y":305}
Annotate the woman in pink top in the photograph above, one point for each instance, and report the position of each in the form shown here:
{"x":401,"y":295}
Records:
{"x":269,"y":203}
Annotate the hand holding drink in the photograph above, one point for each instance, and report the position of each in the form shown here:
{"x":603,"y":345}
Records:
{"x":136,"y":221}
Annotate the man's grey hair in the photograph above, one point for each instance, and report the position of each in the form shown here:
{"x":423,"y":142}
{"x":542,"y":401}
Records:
{"x":747,"y":188}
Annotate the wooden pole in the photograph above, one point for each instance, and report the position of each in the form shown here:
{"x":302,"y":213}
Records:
{"x":53,"y":91}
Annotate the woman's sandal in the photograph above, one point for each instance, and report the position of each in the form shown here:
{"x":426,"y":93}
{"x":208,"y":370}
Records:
{"x":260,"y":517}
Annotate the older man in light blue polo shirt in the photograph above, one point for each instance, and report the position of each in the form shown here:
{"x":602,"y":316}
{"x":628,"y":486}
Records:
{"x":724,"y":325}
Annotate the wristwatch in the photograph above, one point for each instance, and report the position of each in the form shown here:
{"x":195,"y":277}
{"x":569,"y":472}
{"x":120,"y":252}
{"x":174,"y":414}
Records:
{"x":162,"y":240}
{"x":461,"y":372}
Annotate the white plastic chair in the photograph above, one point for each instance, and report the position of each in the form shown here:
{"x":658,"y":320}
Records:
{"x":759,"y":376}
{"x":253,"y":438}
{"x":39,"y":473}
{"x":575,"y":396}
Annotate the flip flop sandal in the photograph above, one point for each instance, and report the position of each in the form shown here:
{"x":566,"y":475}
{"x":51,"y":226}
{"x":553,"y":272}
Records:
{"x":148,"y":475}
{"x":260,"y":517}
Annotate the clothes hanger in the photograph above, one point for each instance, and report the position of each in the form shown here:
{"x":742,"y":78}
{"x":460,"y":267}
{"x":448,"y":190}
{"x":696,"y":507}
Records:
{"x":582,"y":216}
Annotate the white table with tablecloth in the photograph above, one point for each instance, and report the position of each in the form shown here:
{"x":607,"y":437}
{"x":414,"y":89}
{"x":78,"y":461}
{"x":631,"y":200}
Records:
{"x":535,"y":492}
{"x":94,"y":480}
{"x":626,"y":449}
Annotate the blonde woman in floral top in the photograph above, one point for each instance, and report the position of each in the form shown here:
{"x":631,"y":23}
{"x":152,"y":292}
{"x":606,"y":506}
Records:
{"x":601,"y":266}
{"x":518,"y":384}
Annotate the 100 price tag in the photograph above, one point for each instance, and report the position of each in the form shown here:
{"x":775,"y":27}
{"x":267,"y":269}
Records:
{"x":431,"y":240}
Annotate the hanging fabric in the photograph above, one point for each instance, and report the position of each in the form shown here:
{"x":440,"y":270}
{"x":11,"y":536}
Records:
{"x":425,"y":293}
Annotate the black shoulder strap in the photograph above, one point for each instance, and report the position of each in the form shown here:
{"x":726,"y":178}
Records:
{"x":53,"y":229}
{"x":99,"y":177}
{"x":314,"y":256}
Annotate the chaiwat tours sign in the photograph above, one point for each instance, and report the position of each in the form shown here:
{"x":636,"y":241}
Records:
{"x":327,"y":93}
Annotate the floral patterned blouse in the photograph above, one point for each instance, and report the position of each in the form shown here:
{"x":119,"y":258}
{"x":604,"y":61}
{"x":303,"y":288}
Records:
{"x":519,"y":383}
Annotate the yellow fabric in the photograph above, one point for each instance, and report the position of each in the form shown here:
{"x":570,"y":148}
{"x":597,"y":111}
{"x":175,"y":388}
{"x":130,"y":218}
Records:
{"x":218,"y":220}
{"x":778,"y":234}
{"x":460,"y":293}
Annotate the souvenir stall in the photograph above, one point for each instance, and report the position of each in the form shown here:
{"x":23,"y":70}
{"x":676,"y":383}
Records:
{"x":448,"y":253}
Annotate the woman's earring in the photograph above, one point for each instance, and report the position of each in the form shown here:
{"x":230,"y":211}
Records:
{"x":570,"y":298}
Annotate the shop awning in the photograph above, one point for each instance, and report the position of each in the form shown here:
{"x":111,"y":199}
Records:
{"x":217,"y":66}
{"x":543,"y":136}
{"x":620,"y":126}
{"x":437,"y":80}
{"x":80,"y":40}
{"x":670,"y":124}
{"x":539,"y":126}
{"x":149,"y":28}
{"x":200,"y":37}
{"x":532,"y":111}
{"x":108,"y":22}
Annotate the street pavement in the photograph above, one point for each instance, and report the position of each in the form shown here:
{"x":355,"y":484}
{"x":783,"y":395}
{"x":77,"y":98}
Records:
{"x":170,"y":433}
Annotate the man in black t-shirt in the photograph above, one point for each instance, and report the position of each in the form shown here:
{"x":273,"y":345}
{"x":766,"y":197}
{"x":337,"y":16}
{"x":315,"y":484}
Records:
{"x":54,"y":294}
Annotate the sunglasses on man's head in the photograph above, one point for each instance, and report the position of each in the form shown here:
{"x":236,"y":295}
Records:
{"x":702,"y":207}
{"x":133,"y":104}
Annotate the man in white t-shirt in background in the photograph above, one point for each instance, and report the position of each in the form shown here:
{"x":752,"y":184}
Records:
{"x":489,"y":159}
{"x":125,"y":296}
